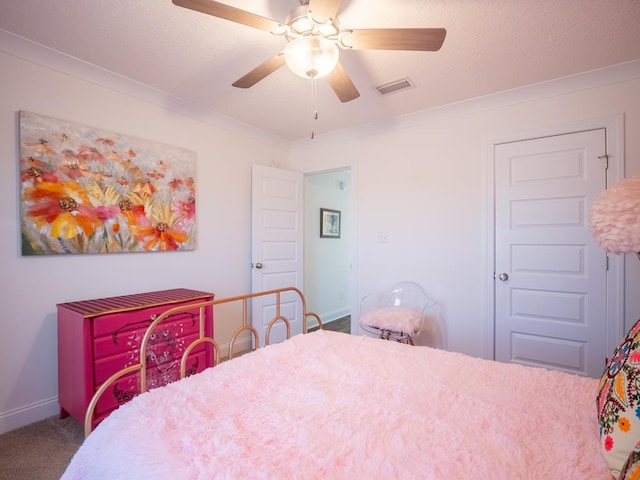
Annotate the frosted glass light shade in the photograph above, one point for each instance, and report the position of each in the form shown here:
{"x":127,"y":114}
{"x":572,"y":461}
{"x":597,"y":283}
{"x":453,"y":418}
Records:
{"x":311,"y":56}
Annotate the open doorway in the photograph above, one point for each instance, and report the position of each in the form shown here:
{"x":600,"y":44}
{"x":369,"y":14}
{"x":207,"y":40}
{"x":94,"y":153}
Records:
{"x":327,"y":248}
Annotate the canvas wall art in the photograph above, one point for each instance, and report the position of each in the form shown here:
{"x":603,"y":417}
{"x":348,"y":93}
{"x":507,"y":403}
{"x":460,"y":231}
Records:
{"x":85,"y":190}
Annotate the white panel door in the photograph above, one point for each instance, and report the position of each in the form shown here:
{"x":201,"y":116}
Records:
{"x":551,"y":288}
{"x":276,"y":250}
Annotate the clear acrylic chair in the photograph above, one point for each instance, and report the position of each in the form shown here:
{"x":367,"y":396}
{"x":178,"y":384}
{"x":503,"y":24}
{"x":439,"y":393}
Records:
{"x":396,"y":314}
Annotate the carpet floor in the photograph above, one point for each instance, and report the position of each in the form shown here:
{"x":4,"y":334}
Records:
{"x":40,"y":451}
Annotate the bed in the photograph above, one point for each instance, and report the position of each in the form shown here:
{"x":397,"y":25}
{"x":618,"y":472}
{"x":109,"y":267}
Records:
{"x":332,"y":405}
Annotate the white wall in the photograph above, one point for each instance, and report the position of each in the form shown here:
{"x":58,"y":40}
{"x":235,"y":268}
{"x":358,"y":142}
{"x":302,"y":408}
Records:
{"x":30,"y":287}
{"x":423,"y":180}
{"x":327,"y":283}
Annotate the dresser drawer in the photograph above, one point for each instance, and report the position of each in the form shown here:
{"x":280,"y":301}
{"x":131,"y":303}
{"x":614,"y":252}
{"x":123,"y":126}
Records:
{"x":114,"y":323}
{"x":128,"y":386}
{"x":123,"y":332}
{"x":161,"y":356}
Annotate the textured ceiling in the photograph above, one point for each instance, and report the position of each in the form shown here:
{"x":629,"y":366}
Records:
{"x":491,"y":46}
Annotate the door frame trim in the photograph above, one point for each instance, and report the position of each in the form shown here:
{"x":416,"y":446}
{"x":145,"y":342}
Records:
{"x":614,"y":128}
{"x":353,"y":283}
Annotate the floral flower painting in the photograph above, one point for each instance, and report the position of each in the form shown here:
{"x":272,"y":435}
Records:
{"x":84,"y":190}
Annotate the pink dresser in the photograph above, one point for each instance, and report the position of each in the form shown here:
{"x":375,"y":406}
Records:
{"x":97,"y":338}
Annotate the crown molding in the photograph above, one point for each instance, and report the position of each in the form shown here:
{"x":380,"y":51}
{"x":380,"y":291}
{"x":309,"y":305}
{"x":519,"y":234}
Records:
{"x":39,"y":54}
{"x":584,"y":81}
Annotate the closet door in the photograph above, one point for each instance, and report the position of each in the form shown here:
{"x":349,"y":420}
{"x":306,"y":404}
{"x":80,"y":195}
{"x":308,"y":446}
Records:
{"x":551,"y":276}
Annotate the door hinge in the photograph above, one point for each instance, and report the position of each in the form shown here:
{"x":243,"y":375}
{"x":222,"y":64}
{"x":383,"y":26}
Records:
{"x":605,"y":157}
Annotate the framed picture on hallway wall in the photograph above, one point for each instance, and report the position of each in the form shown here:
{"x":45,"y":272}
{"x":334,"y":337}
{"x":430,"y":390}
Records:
{"x":329,"y":223}
{"x":86,"y":190}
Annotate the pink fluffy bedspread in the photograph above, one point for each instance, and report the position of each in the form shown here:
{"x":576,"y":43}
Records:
{"x":334,"y":406}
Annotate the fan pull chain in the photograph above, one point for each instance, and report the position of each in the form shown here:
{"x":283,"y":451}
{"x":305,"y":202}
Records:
{"x":314,"y":111}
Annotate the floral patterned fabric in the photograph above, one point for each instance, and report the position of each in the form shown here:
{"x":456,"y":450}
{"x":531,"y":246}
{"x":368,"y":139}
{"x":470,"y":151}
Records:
{"x":619,"y":403}
{"x":631,"y":469}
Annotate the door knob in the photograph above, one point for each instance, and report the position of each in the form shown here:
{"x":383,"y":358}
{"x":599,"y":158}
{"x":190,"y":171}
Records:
{"x":504,"y":277}
{"x":258,"y":265}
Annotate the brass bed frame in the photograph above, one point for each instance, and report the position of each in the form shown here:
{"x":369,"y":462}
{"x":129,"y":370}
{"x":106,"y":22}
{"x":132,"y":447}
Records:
{"x":202,"y":338}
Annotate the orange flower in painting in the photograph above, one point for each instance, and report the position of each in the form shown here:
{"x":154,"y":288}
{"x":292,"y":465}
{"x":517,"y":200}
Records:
{"x":73,"y":167}
{"x":135,"y":214}
{"x":155,"y":174}
{"x":41,"y":147}
{"x":36,"y":171}
{"x":160,"y":236}
{"x":105,"y":141}
{"x":63,"y":137}
{"x":113,"y":156}
{"x":88,"y":153}
{"x":64,"y":207}
{"x":160,"y":233}
{"x":175,"y":184}
{"x":144,"y":188}
{"x":102,"y":177}
{"x":134,"y":171}
{"x":127,"y":163}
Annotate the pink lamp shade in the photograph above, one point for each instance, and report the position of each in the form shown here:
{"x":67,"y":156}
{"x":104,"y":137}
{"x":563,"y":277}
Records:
{"x":615,"y":217}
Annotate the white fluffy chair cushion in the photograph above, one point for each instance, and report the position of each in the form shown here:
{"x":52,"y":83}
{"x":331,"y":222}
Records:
{"x":395,"y":319}
{"x":619,"y":402}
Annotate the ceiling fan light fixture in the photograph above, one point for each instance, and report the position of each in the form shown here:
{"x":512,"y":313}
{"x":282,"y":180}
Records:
{"x":300,"y":22}
{"x":301,"y":25}
{"x":313,"y":33}
{"x":311,"y":56}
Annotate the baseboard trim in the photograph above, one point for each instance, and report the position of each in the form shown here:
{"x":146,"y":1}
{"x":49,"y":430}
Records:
{"x":242,"y":345}
{"x":27,"y":414}
{"x":335,"y":315}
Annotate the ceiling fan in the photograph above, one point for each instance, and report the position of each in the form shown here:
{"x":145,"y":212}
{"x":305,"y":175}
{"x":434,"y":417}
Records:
{"x":313,"y":35}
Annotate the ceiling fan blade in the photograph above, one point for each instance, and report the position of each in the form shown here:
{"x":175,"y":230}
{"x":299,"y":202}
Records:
{"x":323,"y":11}
{"x":260,"y":72}
{"x":342,"y":84}
{"x":233,"y":14}
{"x":422,"y":39}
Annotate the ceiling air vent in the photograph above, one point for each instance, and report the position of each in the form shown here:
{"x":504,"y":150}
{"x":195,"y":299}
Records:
{"x":395,"y":86}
